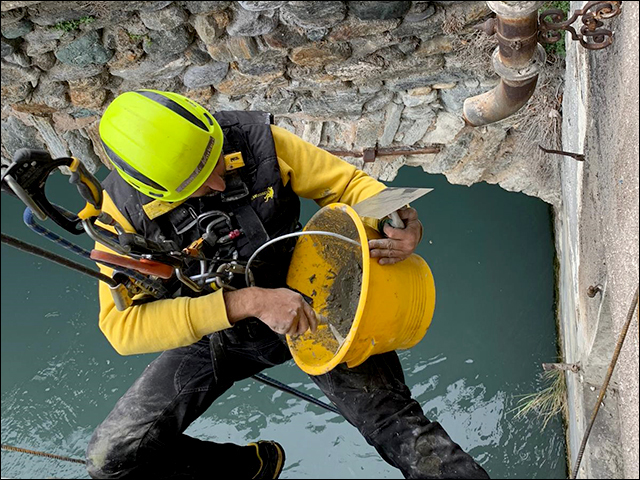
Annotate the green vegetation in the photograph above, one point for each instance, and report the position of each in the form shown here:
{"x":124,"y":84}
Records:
{"x":557,"y":49}
{"x":71,"y":25}
{"x":137,"y":37}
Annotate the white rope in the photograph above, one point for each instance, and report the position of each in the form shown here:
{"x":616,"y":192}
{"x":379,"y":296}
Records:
{"x":289,"y":235}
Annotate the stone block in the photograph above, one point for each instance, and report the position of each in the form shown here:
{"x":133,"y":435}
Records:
{"x":320,"y":54}
{"x":261,"y":6}
{"x":17,"y":135}
{"x":142,"y":6}
{"x":48,"y":14}
{"x":353,"y":27}
{"x":81,"y":148}
{"x":41,"y":40}
{"x":237,"y":84}
{"x":200,"y":95}
{"x":419,"y":128}
{"x":428,"y":27}
{"x":380,"y":101}
{"x":393,"y":115}
{"x":210,"y":74}
{"x":453,"y":98}
{"x":419,"y":12}
{"x":369,"y":129}
{"x":18,"y":58}
{"x":85,"y":50}
{"x":379,"y":10}
{"x":164,"y":44}
{"x":8,"y":47}
{"x":168,"y":18}
{"x":52,"y":94}
{"x":284,"y":37}
{"x":338,"y":135}
{"x":332,"y":104}
{"x":313,"y":79}
{"x":88,"y":93}
{"x":62,"y":72}
{"x":276,"y":103}
{"x":196,"y":54}
{"x":436,"y":46}
{"x":314,"y":14}
{"x":207,"y":28}
{"x":317,"y":34}
{"x":15,"y":74}
{"x":17,"y":29}
{"x":265,"y":63}
{"x":358,"y":69}
{"x":446,"y":129}
{"x":234,"y":48}
{"x":206,"y":7}
{"x":150,"y":69}
{"x":15,"y":93}
{"x":312,"y":132}
{"x":414,"y":100}
{"x":220,"y":101}
{"x":247,"y":23}
{"x":9,"y":17}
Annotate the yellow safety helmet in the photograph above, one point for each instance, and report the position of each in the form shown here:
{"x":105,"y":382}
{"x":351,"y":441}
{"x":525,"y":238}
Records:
{"x":163,"y":144}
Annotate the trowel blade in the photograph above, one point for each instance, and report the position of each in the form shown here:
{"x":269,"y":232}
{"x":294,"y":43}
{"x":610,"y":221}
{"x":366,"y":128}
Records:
{"x":388,"y":201}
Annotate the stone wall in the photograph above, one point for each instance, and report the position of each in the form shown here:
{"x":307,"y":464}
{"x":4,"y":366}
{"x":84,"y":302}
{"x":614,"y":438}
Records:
{"x":342,"y":75}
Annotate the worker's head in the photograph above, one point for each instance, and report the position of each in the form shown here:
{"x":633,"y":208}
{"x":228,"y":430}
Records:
{"x":163,"y":144}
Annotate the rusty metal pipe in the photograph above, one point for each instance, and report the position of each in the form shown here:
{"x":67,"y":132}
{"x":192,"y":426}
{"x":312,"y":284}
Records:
{"x":518,"y":60}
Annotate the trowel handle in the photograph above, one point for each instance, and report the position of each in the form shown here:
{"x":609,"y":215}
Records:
{"x":395,"y":220}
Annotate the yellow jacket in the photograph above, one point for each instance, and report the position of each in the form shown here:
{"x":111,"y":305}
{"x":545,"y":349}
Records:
{"x":176,"y":322}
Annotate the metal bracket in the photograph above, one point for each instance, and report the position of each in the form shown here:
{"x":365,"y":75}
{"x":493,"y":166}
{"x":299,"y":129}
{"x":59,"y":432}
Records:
{"x":591,"y":36}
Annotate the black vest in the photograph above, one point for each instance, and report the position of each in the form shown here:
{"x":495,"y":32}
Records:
{"x":266,"y":209}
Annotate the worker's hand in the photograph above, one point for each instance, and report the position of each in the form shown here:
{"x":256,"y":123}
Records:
{"x":285,"y":311}
{"x":401,"y":243}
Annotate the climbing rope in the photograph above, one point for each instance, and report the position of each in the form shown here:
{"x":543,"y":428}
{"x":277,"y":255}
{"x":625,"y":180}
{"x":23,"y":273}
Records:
{"x":287,"y":389}
{"x":35,"y":250}
{"x":272,"y":382}
{"x":42,"y":454}
{"x":603,"y":390}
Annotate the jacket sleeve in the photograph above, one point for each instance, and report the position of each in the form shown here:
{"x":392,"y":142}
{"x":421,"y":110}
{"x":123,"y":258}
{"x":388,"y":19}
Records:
{"x":316,"y":174}
{"x":159,"y":325}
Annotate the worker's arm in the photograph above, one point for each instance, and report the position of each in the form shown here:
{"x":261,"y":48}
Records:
{"x":316,"y":174}
{"x":176,"y":322}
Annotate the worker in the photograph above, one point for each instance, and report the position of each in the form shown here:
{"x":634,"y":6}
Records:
{"x":171,"y":173}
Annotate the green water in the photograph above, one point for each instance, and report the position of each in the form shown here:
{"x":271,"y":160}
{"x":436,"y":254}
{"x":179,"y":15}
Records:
{"x":491,"y":253}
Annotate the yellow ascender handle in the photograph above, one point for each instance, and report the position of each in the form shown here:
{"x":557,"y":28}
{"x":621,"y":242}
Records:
{"x":89,"y":187}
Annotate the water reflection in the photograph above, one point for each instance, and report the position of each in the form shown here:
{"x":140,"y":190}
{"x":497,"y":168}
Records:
{"x":60,"y":377}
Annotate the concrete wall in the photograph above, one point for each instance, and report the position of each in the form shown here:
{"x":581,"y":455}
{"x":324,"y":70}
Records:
{"x":597,"y":242}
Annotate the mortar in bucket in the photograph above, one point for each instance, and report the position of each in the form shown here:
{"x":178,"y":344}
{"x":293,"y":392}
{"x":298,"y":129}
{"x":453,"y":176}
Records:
{"x":367,"y":308}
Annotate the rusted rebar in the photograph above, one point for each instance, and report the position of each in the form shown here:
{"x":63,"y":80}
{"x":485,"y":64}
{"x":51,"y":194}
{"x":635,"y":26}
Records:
{"x":370,"y":154}
{"x":578,"y":156}
{"x":567,"y":367}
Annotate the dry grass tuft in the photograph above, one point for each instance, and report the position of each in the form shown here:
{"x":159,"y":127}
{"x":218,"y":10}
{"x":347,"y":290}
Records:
{"x":539,"y":122}
{"x":473,"y":52}
{"x":547,"y":403}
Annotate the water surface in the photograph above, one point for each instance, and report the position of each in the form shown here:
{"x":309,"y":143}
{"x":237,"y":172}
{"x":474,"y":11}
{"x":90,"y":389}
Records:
{"x":491,"y":253}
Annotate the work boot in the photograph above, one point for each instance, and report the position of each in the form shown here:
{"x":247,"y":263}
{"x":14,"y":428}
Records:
{"x":271,"y":457}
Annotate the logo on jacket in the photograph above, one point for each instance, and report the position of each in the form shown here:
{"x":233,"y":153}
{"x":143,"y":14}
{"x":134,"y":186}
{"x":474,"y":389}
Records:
{"x":267,"y":194}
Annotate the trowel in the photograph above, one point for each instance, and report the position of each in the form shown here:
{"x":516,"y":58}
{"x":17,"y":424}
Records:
{"x":387,"y":202}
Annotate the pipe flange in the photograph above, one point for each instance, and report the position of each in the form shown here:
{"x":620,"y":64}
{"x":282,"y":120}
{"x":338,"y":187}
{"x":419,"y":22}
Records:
{"x":514,"y":9}
{"x":520,"y":74}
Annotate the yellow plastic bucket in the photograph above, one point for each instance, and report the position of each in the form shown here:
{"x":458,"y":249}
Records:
{"x":368,"y":308}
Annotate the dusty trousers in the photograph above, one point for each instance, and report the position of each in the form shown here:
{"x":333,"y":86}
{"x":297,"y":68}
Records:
{"x":143,"y":434}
